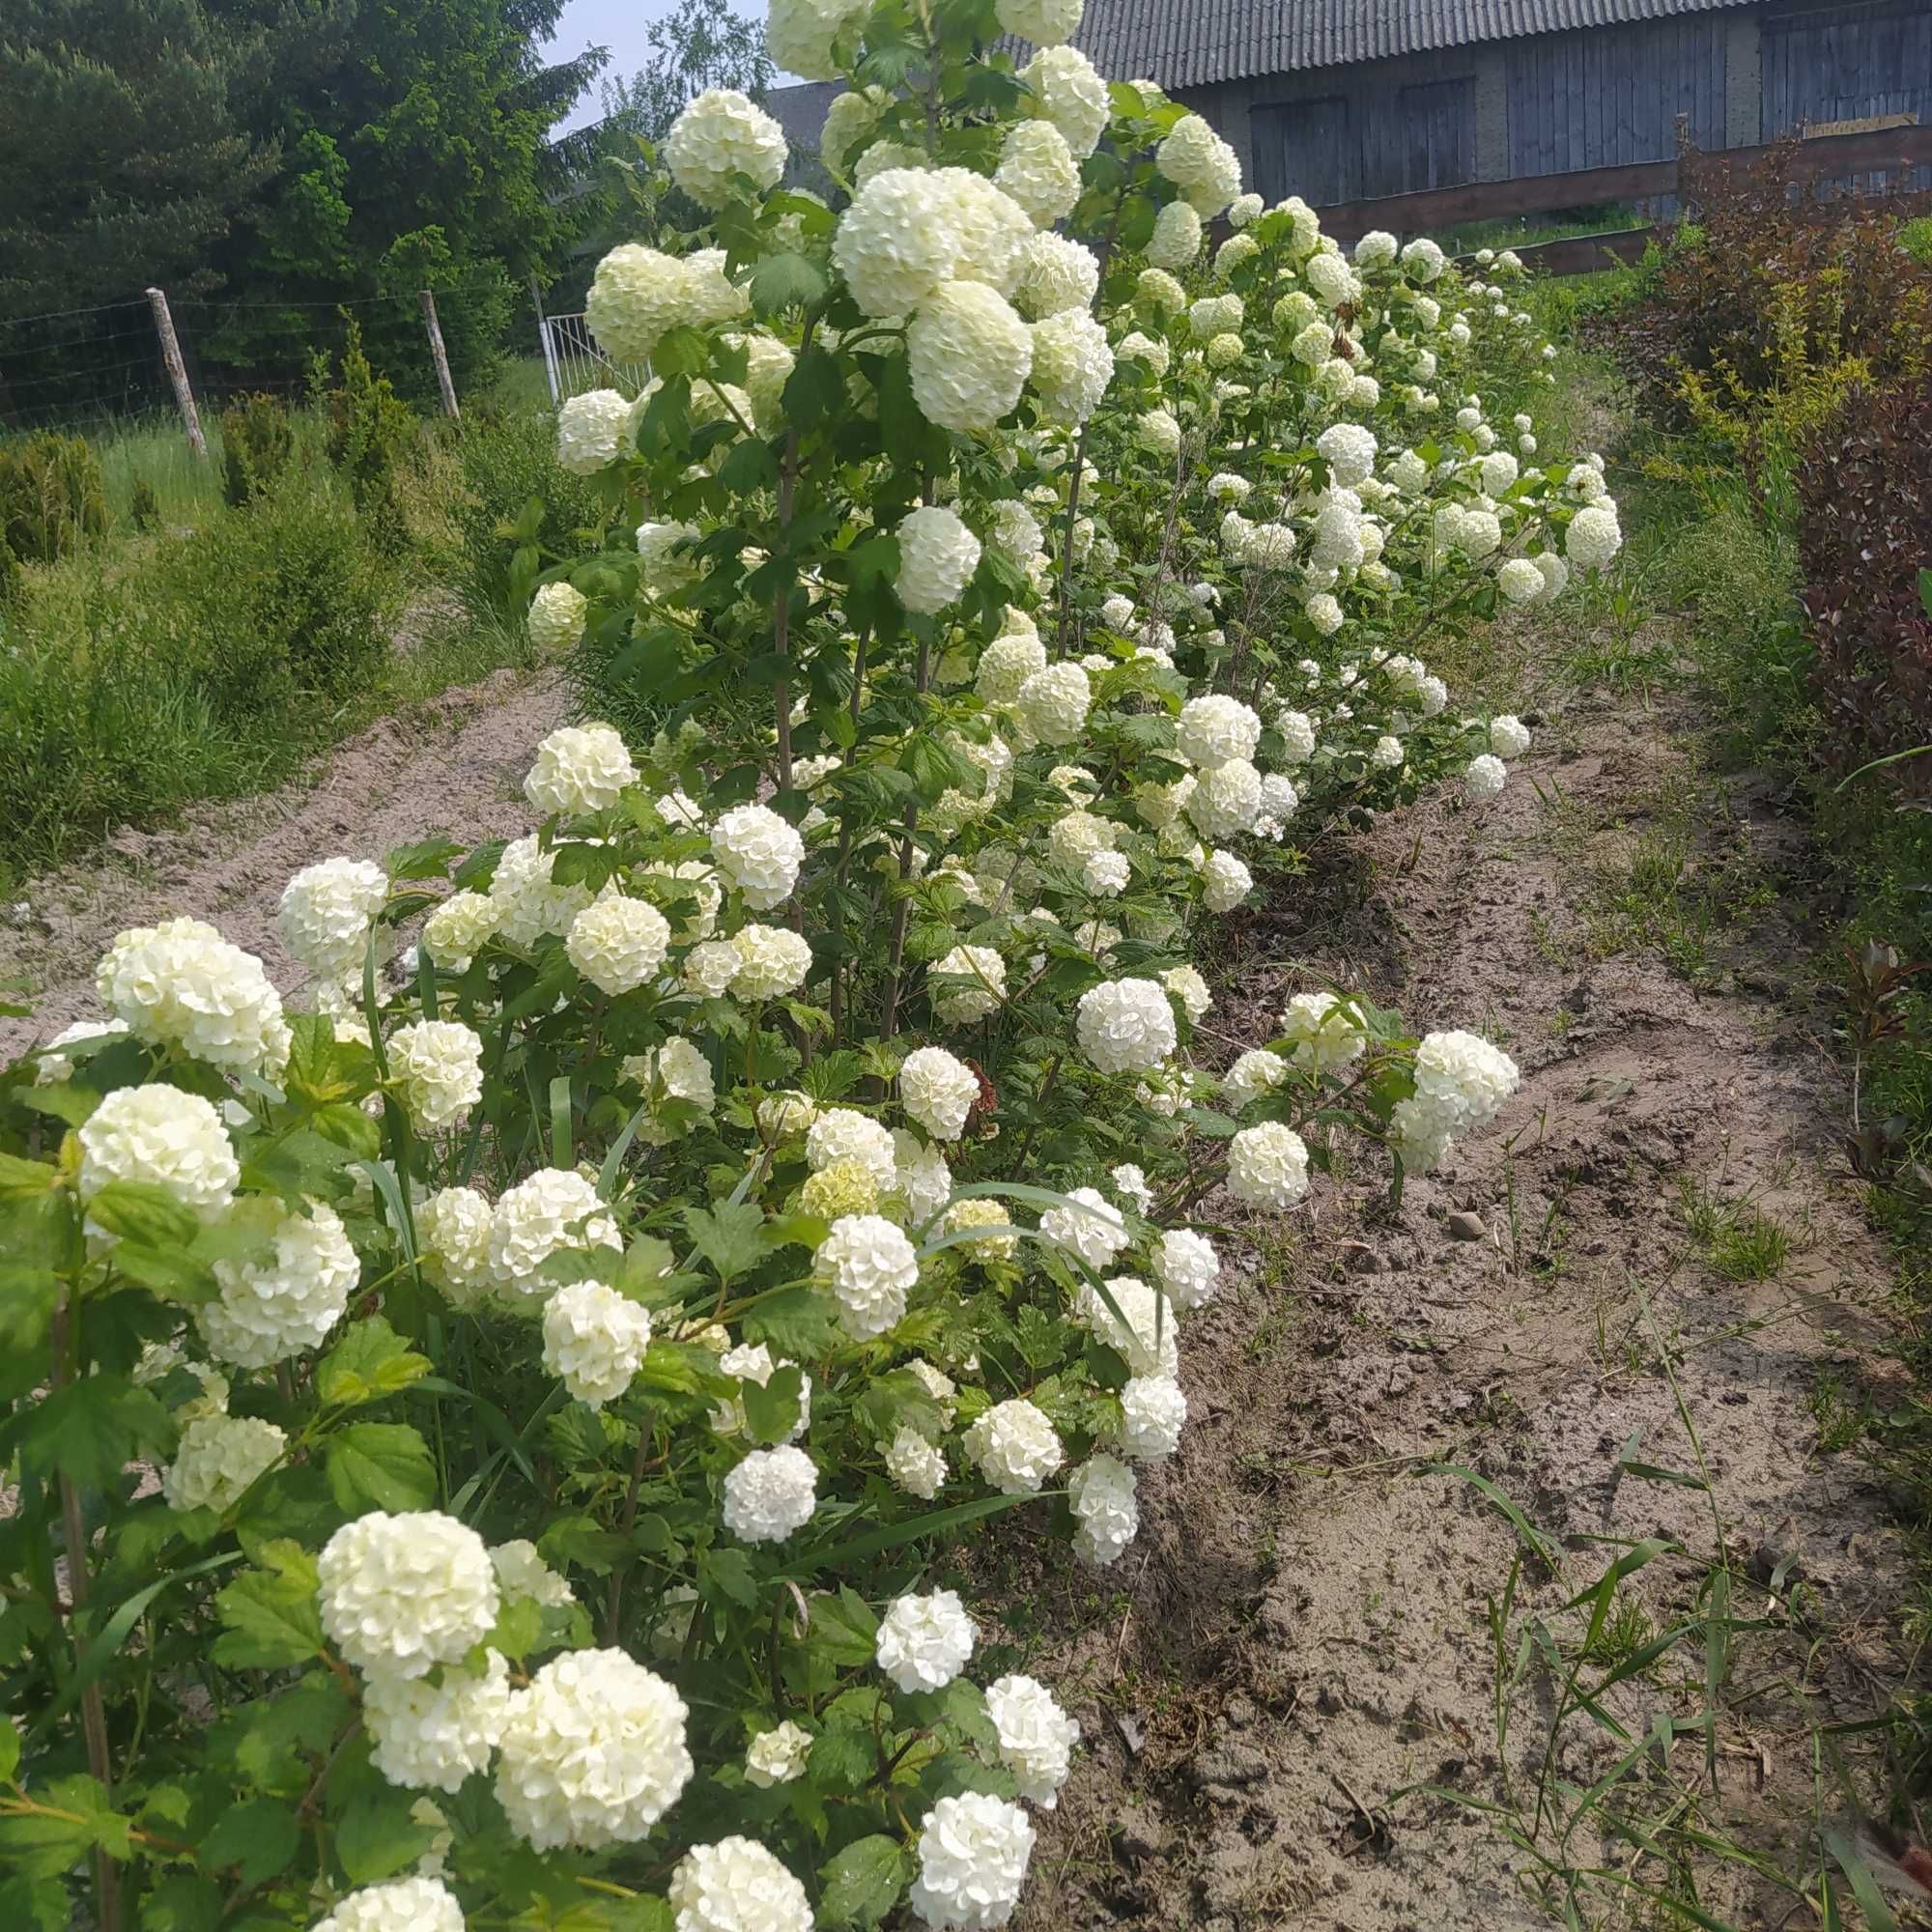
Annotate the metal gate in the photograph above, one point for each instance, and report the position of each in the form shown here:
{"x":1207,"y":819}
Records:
{"x":573,"y":362}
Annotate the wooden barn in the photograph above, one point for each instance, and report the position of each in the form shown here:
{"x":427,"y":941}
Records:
{"x":1341,"y":101}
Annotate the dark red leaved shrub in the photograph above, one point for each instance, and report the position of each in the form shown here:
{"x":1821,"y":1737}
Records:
{"x":1864,"y":537}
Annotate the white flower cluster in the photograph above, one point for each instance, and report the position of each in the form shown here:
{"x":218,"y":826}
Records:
{"x":1460,"y":1085}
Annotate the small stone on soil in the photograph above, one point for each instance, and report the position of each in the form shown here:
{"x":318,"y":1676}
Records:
{"x":1465,"y":1227}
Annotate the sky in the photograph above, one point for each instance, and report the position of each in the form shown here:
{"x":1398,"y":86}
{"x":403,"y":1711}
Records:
{"x":621,"y":26}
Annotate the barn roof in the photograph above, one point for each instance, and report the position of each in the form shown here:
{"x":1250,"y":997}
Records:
{"x":1191,"y":42}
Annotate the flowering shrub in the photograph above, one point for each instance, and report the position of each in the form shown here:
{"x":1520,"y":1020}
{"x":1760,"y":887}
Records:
{"x":568,"y":1344}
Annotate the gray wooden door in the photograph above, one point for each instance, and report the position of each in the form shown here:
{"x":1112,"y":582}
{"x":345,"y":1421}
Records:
{"x":1433,"y":142}
{"x":1306,"y":148}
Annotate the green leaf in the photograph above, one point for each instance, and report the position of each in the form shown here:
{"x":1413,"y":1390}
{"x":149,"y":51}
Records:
{"x":168,"y":1272}
{"x":383,"y":1465}
{"x":519,"y":1628}
{"x":45,"y":1845}
{"x":254,"y":1841}
{"x":730,"y":1237}
{"x":10,"y":1750}
{"x":682,"y":350}
{"x":181,"y":1904}
{"x":770,"y":1412}
{"x":801,"y":1323}
{"x":864,"y":1882}
{"x":727,"y":1573}
{"x":1925,"y":592}
{"x":143,"y":1212}
{"x":843,"y":1628}
{"x":785,"y":281}
{"x":270,"y":1615}
{"x":273,"y":1739}
{"x":377,"y":1836}
{"x":91,"y":1430}
{"x":576,"y":1541}
{"x":815,"y":388}
{"x":371,"y":1362}
{"x":426,"y":859}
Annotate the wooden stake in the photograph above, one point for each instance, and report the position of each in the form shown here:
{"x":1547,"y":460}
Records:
{"x":171,"y":357}
{"x":436,"y":350}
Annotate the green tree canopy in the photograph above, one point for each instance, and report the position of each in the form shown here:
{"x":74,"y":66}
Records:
{"x":124,"y":155}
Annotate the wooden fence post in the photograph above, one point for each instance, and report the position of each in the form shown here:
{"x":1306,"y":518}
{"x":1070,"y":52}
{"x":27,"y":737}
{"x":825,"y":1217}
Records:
{"x":437,"y":350}
{"x":171,"y":357}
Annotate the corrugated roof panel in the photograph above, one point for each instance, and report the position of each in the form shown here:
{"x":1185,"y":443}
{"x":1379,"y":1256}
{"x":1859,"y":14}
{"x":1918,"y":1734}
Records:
{"x":1193,"y":42}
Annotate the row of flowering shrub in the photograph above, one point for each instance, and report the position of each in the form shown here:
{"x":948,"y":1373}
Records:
{"x":485,"y":1439}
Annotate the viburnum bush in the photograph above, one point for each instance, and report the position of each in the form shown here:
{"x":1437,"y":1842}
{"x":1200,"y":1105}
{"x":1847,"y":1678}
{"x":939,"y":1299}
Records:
{"x":486,"y":1441}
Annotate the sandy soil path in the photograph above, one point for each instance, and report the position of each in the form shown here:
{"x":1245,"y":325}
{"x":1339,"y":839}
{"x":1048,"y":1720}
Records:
{"x":455,"y":767}
{"x":1309,"y":1624}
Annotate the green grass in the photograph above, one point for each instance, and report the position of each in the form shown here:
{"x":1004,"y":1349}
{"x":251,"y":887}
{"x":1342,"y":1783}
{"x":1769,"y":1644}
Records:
{"x":1738,"y":1240}
{"x":1523,"y":231}
{"x":208,"y":657}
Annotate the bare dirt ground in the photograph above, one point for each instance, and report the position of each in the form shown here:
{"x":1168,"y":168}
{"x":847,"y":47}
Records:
{"x":1313,"y":1623}
{"x":455,"y":767}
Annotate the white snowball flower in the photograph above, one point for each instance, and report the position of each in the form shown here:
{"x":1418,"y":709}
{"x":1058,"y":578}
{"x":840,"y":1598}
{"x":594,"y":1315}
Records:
{"x":1014,"y":532}
{"x":1159,"y":431}
{"x":1131,"y":1183}
{"x":55,"y":1067}
{"x":1006,"y":665}
{"x":915,"y":1464}
{"x":617,"y":943}
{"x":1225,"y":882}
{"x":778,"y":1756}
{"x":1255,"y":1072}
{"x":1037,"y":1736}
{"x":1509,"y":736}
{"x":1187,"y":985}
{"x":1071,"y":364}
{"x":1297,"y":736}
{"x":403,"y":1905}
{"x":1213,"y":729}
{"x":1037,"y":170}
{"x":968,"y":354}
{"x":938,"y":556}
{"x":938,"y":1090}
{"x":181,"y":983}
{"x":1326,"y":613}
{"x":1375,"y":249}
{"x":217,"y":1459}
{"x":636,"y":294}
{"x":769,"y":1495}
{"x":274,"y":1307}
{"x":160,"y":1137}
{"x":773,"y":961}
{"x":594,"y":1340}
{"x":1349,"y":450}
{"x":1088,"y":1224}
{"x":1067,"y":92}
{"x":458,"y":929}
{"x":1555,"y":574}
{"x":401,"y":1594}
{"x":592,"y":1754}
{"x":1106,"y":875}
{"x":553,"y":1209}
{"x":1046,"y":23}
{"x":1423,"y":259}
{"x":526,"y":901}
{"x":591,"y":431}
{"x":799,"y":35}
{"x":753,"y":1363}
{"x":1153,"y":1413}
{"x":1146,"y":1339}
{"x":923,"y":1642}
{"x":737,"y":1885}
{"x":1267,"y":1166}
{"x":1332,"y":281}
{"x":721,"y":134}
{"x":1125,"y":1026}
{"x":1228,"y":800}
{"x":1015,"y":1447}
{"x":1103,"y":1494}
{"x":1138,"y":348}
{"x":1593,"y":537}
{"x":980,"y":976}
{"x":522,"y":1574}
{"x":870,"y":1267}
{"x":923,"y":1181}
{"x":440,"y":1066}
{"x":973,"y":1854}
{"x":1189,"y":1267}
{"x":453,"y":1243}
{"x":580,"y":768}
{"x":1327,"y":1031}
{"x":711,"y":967}
{"x":1054,"y":702}
{"x":1200,"y":164}
{"x":326,"y":913}
{"x":758,"y":853}
{"x":841,"y":1133}
{"x":1055,"y":275}
{"x":1519,"y":580}
{"x":665,"y":563}
{"x":1485,"y":778}
{"x":433,"y":1737}
{"x":1177,"y":236}
{"x":555,"y":620}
